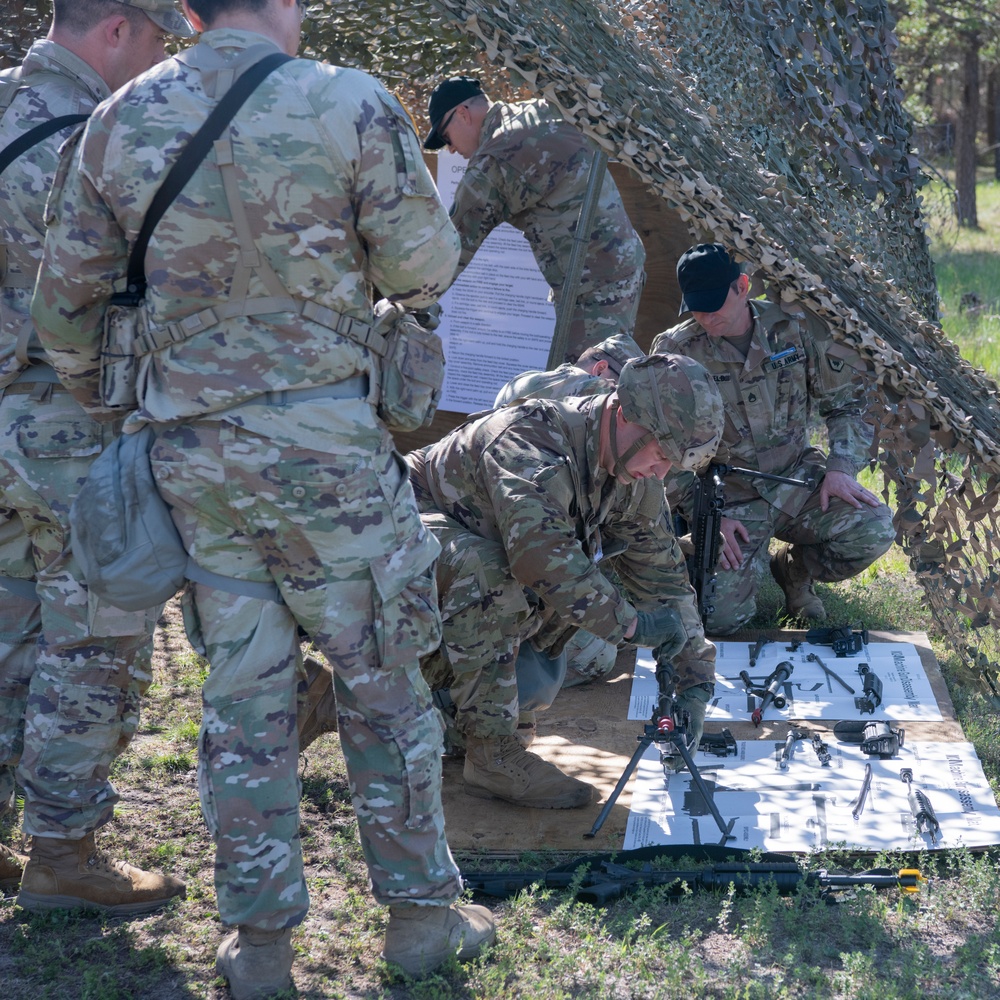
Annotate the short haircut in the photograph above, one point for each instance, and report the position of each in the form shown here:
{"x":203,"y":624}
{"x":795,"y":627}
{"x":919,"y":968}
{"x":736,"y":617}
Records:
{"x":79,"y":16}
{"x":209,"y":10}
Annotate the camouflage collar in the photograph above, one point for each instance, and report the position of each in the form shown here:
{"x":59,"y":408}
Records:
{"x":46,"y":56}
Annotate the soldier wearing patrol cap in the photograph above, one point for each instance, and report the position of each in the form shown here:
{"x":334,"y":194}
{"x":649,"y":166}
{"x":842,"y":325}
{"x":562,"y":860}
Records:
{"x":531,"y":504}
{"x":775,"y":363}
{"x":530,"y":167}
{"x":71,"y":670}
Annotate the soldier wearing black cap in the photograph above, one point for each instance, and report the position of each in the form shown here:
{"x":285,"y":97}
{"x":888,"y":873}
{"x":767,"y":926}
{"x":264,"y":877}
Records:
{"x":775,"y":363}
{"x":529,"y":167}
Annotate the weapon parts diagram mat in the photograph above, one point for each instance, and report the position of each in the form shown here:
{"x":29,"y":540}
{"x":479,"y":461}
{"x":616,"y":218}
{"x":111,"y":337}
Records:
{"x":819,"y":684}
{"x":802,"y":804}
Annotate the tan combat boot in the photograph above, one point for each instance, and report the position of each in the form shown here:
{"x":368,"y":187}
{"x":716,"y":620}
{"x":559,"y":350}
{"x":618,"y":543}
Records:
{"x":257,"y":964}
{"x":800,"y":598}
{"x":73,"y":874}
{"x":501,"y":768}
{"x":319,"y":713}
{"x":421,"y":938}
{"x":11,"y":868}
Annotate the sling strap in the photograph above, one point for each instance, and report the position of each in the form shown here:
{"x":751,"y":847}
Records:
{"x":185,"y":166}
{"x":35,"y":135}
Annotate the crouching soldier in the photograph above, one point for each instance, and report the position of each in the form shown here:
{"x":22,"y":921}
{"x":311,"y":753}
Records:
{"x":532,"y":504}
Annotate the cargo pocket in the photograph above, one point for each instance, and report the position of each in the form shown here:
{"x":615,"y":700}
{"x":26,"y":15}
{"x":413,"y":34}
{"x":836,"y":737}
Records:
{"x":419,"y":743}
{"x":407,"y":621}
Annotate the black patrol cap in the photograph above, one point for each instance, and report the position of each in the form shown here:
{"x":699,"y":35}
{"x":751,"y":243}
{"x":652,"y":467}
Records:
{"x":704,"y":274}
{"x":448,"y":94}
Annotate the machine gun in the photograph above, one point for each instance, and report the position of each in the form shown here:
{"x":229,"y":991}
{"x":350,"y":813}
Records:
{"x":668,"y":730}
{"x":599,"y":880}
{"x":706,"y":522}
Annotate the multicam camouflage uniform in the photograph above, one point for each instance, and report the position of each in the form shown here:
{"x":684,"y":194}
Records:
{"x":566,"y":380}
{"x":300,"y":492}
{"x":531,"y":170}
{"x":71,"y":671}
{"x":526,"y":516}
{"x":792,"y":366}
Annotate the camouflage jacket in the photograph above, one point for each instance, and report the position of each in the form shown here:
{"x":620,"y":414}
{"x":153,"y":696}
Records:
{"x":52,"y":82}
{"x":793,"y":368}
{"x":531,"y":170}
{"x":566,"y":380}
{"x":527,"y":476}
{"x":337,"y":198}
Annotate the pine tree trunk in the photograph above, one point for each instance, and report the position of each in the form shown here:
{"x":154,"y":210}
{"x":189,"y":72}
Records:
{"x":965,"y":140}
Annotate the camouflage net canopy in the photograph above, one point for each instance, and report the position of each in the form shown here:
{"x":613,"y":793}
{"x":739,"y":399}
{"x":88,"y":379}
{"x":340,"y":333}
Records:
{"x":776,"y":127}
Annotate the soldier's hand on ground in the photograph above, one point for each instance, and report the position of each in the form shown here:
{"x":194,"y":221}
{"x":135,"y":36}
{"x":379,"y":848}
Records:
{"x":662,"y":630}
{"x":731,"y":556}
{"x":847,"y":488}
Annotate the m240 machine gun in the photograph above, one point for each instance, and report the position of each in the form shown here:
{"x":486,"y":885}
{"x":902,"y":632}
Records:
{"x":706,"y":525}
{"x":600,"y":879}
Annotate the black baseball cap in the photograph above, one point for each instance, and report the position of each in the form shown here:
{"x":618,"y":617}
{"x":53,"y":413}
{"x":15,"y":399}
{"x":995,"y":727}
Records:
{"x":705,"y":273}
{"x":448,"y":94}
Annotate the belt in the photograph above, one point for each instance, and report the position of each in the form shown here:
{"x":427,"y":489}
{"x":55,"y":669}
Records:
{"x":40,"y":372}
{"x":355,"y":387}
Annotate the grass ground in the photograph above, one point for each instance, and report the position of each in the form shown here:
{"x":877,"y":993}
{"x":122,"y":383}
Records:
{"x":872,"y":946}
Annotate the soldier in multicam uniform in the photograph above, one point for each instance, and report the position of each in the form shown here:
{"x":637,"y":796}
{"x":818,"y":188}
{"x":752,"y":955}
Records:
{"x":283,"y":481}
{"x":530,"y":167}
{"x":595,"y":371}
{"x":527,"y":502}
{"x":774,"y":364}
{"x":71,"y":669}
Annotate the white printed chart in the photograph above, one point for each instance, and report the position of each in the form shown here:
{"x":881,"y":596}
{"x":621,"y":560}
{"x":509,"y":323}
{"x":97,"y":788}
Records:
{"x":498,"y":319}
{"x":807,"y":806}
{"x":810,"y":692}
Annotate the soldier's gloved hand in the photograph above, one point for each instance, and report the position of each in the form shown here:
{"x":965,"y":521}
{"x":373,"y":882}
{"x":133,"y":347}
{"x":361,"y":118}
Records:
{"x":694,"y":700}
{"x":661,"y":628}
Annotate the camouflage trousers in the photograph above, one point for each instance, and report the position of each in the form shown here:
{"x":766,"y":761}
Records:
{"x":72,"y":670}
{"x":832,"y":545}
{"x":485,"y":615}
{"x":601,"y":311}
{"x":337,"y":535}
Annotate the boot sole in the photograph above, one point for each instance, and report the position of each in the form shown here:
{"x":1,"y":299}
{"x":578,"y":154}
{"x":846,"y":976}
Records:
{"x":484,"y":793}
{"x":37,"y":903}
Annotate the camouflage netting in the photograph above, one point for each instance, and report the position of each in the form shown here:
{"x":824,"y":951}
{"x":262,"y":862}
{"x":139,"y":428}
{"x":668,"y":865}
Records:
{"x":776,"y":126}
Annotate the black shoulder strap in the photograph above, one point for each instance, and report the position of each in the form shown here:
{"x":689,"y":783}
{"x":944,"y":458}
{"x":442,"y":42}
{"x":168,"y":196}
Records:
{"x":33,"y":136}
{"x":186,"y":164}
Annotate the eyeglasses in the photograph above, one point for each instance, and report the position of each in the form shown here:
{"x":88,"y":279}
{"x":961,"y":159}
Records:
{"x":442,"y":129}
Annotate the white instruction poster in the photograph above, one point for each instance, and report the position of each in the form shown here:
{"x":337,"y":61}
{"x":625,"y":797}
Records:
{"x":802,"y":804}
{"x":498,"y":320}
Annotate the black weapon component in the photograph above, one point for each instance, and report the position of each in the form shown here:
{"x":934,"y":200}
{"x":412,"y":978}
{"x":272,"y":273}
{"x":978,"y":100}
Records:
{"x":871,"y":697}
{"x":599,"y":881}
{"x":720,"y":744}
{"x":707,"y":502}
{"x":879,"y":739}
{"x":920,"y":807}
{"x":755,"y":650}
{"x":793,"y":646}
{"x":822,"y":750}
{"x":668,"y":729}
{"x":786,"y":751}
{"x":813,"y":658}
{"x":845,"y":641}
{"x":768,"y":693}
{"x":876,"y":737}
{"x":858,"y":805}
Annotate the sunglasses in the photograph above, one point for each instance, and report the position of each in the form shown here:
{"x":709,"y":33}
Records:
{"x":442,"y":129}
